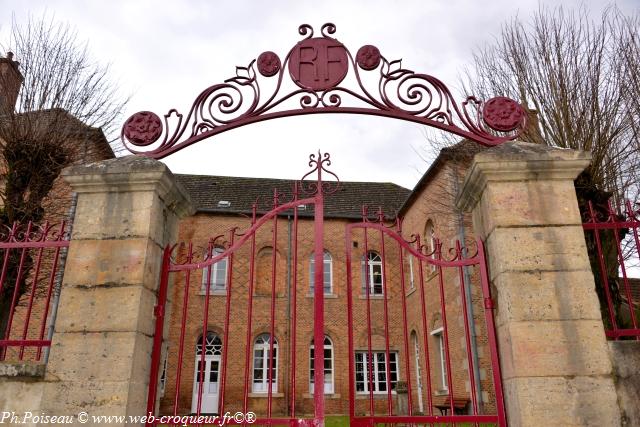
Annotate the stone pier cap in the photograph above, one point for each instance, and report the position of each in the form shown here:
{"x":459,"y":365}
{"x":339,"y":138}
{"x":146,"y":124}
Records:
{"x":519,"y":161}
{"x":130,"y":174}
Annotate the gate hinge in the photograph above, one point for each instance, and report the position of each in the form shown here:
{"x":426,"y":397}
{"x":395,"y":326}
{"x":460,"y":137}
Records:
{"x":158,"y":310}
{"x":488,"y":304}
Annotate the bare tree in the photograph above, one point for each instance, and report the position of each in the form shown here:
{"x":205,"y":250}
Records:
{"x":576,"y":73}
{"x":54,"y":100}
{"x":582,"y":78}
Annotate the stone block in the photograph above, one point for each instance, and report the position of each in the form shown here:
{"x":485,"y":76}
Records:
{"x":104,"y":308}
{"x":113,"y":262}
{"x":113,"y":215}
{"x":95,"y":397}
{"x":537,"y":249}
{"x":553,"y":348}
{"x":105,"y":356}
{"x":545,"y":295}
{"x":561,"y":401}
{"x":20,"y":396}
{"x":529,"y":203}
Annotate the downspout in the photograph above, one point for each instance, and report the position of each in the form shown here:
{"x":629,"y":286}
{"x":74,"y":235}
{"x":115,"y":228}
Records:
{"x":289,"y":367}
{"x":467,"y":291}
{"x":58,"y":279}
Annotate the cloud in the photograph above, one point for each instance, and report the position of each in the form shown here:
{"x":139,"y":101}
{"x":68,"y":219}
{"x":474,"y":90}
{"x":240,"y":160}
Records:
{"x":165,"y":53}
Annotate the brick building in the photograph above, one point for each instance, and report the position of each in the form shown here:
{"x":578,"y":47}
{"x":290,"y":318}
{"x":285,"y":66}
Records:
{"x":428,"y":212}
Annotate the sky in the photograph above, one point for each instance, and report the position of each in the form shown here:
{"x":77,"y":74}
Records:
{"x":163,"y":54}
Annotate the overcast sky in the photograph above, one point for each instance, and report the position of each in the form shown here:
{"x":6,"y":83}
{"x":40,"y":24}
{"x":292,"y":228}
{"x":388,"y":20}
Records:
{"x":165,"y":53}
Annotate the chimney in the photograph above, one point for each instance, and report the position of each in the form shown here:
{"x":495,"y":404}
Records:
{"x":532,"y":130}
{"x":10,"y":81}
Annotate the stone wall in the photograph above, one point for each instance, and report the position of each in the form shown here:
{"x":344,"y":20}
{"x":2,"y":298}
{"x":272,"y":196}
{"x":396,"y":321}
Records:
{"x":625,"y":356}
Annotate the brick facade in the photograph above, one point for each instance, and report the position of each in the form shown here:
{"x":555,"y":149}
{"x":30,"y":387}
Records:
{"x":432,"y":201}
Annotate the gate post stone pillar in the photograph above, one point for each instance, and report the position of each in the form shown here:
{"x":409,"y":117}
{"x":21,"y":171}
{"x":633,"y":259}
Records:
{"x":127,"y":211}
{"x":555,"y":364}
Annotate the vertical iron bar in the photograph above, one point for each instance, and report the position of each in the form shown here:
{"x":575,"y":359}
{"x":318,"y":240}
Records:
{"x":227,"y":317}
{"x":294,"y":297}
{"x":369,"y":360}
{"x":463,"y":296}
{"x":424,"y":330}
{"x":33,"y":292}
{"x":185,"y":311}
{"x":443,"y":307}
{"x":491,"y":333}
{"x":158,"y":333}
{"x":52,"y":277}
{"x":248,"y":346}
{"x":351,"y":356}
{"x":386,"y":319}
{"x":318,"y":303}
{"x":625,"y":279}
{"x":603,"y":272}
{"x":205,"y":317}
{"x":274,"y":260}
{"x":16,"y":286}
{"x":405,"y":327}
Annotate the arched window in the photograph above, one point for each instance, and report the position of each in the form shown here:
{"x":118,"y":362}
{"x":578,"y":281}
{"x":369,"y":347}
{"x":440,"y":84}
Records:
{"x":327,"y":272}
{"x":212,"y":345}
{"x":215,"y":275}
{"x":373,"y":271}
{"x":430,"y":240}
{"x":261,"y":361}
{"x":328,"y":366}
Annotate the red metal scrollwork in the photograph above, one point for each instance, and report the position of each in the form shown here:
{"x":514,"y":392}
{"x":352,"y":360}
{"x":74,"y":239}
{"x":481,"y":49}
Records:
{"x":318,"y":66}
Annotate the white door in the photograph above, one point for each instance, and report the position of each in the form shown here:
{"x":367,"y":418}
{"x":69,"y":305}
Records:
{"x":210,"y":383}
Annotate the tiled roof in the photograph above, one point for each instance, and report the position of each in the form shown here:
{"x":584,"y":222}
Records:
{"x":208,"y":191}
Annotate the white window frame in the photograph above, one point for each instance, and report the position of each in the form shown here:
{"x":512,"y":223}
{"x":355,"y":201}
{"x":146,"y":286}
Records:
{"x":370,"y":263}
{"x":412,"y":284}
{"x":393,"y":365}
{"x":212,"y":272}
{"x":430,"y":237}
{"x":264,"y":346}
{"x":438,"y":336}
{"x":329,"y":387}
{"x":327,"y":262}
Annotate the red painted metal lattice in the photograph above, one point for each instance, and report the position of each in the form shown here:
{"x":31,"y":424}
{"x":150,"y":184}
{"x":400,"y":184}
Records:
{"x":614,"y":246}
{"x":29,"y":279}
{"x":317,"y":66}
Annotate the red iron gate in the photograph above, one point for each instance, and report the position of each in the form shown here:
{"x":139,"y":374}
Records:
{"x":417,"y":284}
{"x":250,"y":342}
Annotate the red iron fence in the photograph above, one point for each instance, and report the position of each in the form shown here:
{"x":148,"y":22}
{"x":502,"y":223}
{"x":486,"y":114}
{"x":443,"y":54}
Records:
{"x":614,"y":245}
{"x":29,"y":284}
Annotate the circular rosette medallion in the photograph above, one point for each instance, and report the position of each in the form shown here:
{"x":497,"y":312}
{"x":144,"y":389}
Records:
{"x":368,"y":57}
{"x":503,"y":114}
{"x":318,"y":64}
{"x":143,"y":128}
{"x":268,"y":64}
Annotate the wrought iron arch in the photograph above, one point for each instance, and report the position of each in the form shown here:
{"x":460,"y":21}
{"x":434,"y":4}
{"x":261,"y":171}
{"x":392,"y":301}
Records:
{"x":318,"y":66}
